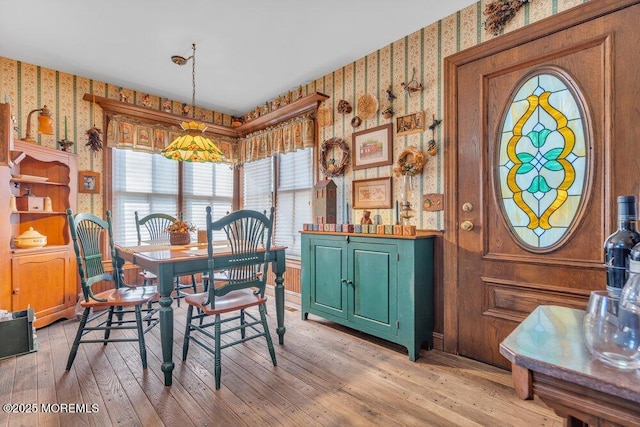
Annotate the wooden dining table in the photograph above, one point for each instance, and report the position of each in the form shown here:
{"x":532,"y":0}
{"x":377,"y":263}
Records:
{"x":167,"y":261}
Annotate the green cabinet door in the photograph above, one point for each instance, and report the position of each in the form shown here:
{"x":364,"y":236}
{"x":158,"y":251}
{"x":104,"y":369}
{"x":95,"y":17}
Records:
{"x":373,"y":286}
{"x":327,"y":276}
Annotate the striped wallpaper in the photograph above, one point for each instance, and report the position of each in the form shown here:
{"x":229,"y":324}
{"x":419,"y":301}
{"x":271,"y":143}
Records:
{"x":392,"y":65}
{"x":28,"y":86}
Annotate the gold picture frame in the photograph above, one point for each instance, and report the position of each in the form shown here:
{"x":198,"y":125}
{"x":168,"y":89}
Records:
{"x":410,"y":123}
{"x":372,"y":193}
{"x":88,"y":182}
{"x":372,"y":147}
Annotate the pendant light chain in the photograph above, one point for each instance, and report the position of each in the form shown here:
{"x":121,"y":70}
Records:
{"x":193,"y":79}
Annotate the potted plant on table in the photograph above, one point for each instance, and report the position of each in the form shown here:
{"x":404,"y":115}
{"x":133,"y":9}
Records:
{"x":179,"y":232}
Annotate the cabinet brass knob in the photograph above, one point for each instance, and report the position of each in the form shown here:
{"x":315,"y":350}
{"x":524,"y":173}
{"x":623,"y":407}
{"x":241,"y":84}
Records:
{"x":467,"y":207}
{"x":466,"y":225}
{"x":16,"y":291}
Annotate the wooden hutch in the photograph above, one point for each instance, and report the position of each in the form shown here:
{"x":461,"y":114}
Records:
{"x":45,"y":277}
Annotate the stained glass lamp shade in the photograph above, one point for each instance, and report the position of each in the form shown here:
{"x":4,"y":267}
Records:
{"x":193,"y":146}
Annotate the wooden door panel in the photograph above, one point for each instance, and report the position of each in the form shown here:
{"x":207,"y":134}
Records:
{"x":500,"y":279}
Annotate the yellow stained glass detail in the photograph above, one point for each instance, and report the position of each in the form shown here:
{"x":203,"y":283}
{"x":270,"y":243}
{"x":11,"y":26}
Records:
{"x":542,"y":161}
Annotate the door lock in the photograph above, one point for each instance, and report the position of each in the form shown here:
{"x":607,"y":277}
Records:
{"x":466,"y":225}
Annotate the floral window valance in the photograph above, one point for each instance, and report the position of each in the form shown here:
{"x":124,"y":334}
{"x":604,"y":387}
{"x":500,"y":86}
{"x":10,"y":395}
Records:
{"x":125,"y":132}
{"x":290,"y":135}
{"x":294,"y":134}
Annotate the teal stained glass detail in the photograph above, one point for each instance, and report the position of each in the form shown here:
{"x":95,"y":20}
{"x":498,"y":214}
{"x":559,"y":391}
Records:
{"x":542,"y":160}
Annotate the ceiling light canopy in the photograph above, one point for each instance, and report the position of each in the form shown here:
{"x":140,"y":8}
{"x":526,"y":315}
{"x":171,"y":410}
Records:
{"x":192,"y":145}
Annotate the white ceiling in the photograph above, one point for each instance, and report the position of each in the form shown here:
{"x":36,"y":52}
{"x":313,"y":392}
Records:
{"x":247,"y":51}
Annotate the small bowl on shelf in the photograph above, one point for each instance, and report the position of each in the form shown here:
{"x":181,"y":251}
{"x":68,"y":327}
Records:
{"x":612,"y":332}
{"x":30,"y":239}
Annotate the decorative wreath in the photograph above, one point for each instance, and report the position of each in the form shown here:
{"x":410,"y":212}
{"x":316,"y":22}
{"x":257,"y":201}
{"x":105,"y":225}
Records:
{"x":410,"y":162}
{"x":329,"y":167}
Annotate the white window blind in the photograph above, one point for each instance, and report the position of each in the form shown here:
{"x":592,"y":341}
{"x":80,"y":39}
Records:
{"x":207,"y":184}
{"x":143,"y":182}
{"x":258,"y":185}
{"x":293,"y":200}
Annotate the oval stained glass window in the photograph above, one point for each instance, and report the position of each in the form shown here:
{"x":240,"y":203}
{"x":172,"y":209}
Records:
{"x":542,"y":160}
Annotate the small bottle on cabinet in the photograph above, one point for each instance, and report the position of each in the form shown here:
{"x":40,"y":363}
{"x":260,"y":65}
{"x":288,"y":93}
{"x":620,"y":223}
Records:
{"x":618,"y":246}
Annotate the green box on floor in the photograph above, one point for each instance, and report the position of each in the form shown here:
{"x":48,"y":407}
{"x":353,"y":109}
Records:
{"x":16,"y":334}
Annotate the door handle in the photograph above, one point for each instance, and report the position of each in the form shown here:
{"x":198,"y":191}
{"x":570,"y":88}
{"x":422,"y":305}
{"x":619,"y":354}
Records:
{"x":466,"y":225}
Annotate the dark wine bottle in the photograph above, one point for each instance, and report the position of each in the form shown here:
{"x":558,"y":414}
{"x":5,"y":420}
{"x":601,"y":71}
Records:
{"x":618,"y":246}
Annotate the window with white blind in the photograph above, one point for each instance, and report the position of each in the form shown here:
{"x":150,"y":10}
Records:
{"x":148,"y":183}
{"x":207,"y":184}
{"x":143,"y":182}
{"x":258,"y":185}
{"x":293,"y":198}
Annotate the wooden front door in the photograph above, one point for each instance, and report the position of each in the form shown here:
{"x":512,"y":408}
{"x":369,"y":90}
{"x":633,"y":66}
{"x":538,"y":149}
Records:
{"x":544,"y":137}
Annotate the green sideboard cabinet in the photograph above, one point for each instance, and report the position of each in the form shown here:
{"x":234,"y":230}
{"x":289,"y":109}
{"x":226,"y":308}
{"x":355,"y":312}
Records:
{"x":380,"y":285}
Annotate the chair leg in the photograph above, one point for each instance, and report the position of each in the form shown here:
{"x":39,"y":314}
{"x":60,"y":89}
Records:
{"x":242,"y":323}
{"x":76,"y":341}
{"x":141,"y":344}
{"x":187,"y":333}
{"x":218,"y":362}
{"x":107,"y":331}
{"x":149,"y":310}
{"x":267,"y":335}
{"x":194,"y":284}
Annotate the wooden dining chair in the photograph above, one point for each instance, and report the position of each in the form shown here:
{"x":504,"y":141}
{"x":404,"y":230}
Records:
{"x":249,"y":239}
{"x":156,"y":225}
{"x":88,"y":233}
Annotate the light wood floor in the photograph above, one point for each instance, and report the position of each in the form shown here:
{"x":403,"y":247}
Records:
{"x":326,"y":376}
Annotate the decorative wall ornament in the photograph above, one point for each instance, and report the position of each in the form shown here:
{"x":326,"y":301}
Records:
{"x":412,"y":85}
{"x":324,"y":115}
{"x":328,"y":166}
{"x":94,"y":141}
{"x":410,"y":123}
{"x":410,"y":162}
{"x":388,"y":112}
{"x":367,"y":106}
{"x":499,"y":13}
{"x":432,"y":148}
{"x":344,"y":107}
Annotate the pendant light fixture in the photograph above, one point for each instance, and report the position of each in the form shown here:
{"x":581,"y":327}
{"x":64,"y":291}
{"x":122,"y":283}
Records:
{"x":192,"y":145}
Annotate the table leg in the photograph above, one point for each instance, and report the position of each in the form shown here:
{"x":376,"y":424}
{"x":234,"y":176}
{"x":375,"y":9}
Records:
{"x":165,"y":282}
{"x":522,"y":382}
{"x":280,"y":307}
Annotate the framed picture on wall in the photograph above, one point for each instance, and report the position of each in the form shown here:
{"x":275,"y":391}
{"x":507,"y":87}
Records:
{"x":372,"y":147}
{"x":88,"y":182}
{"x":410,"y":123}
{"x":373,"y":193}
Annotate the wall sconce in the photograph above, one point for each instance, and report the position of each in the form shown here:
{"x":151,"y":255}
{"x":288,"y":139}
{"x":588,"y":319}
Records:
{"x":45,"y":123}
